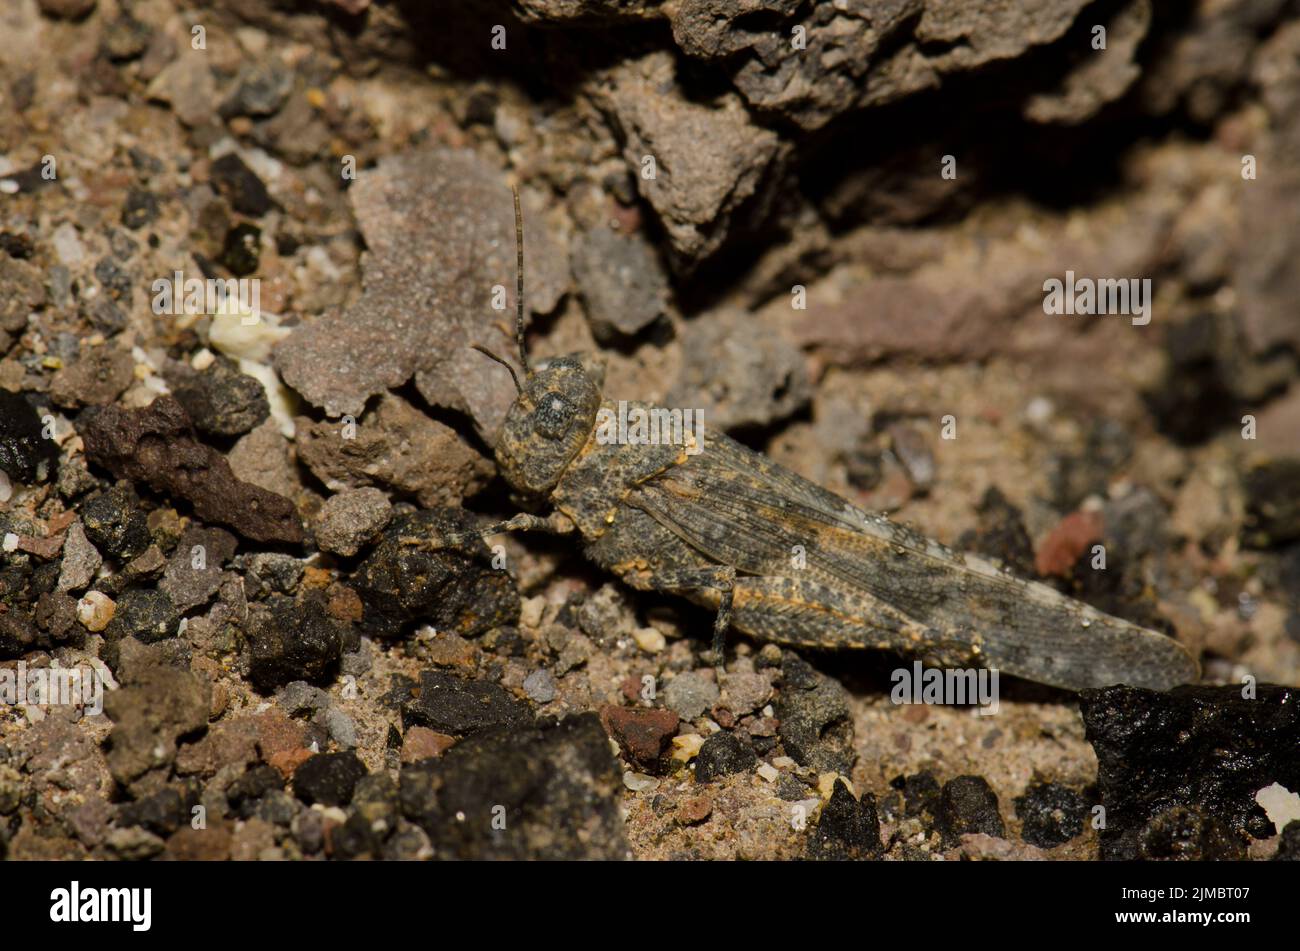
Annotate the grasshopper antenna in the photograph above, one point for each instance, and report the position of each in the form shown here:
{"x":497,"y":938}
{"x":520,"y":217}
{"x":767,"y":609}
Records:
{"x":519,"y":303}
{"x":519,"y":288}
{"x":492,"y":356}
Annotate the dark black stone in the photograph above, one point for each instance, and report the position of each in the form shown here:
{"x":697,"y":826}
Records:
{"x":920,"y":793}
{"x":328,"y":778}
{"x":219,"y":400}
{"x":1001,"y":535}
{"x":816,"y":727}
{"x":242,"y":250}
{"x":1198,"y":393}
{"x":551,"y":791}
{"x":25,"y":455}
{"x":18,"y":245}
{"x":241,"y":186}
{"x":451,"y":704}
{"x":968,"y":804}
{"x":293,"y":641}
{"x":141,"y":208}
{"x":146,"y":614}
{"x":354,"y":839}
{"x":1075,"y":476}
{"x":1272,"y":492}
{"x":722,"y":754}
{"x":116,"y":281}
{"x":18,"y":633}
{"x":56,"y":615}
{"x":163,"y":812}
{"x":1050,"y":814}
{"x":1204,"y":748}
{"x":790,"y":789}
{"x":454,"y":589}
{"x":1189,"y":835}
{"x":848,"y":829}
{"x":244,"y":793}
{"x":1288,"y":848}
{"x":115,"y":523}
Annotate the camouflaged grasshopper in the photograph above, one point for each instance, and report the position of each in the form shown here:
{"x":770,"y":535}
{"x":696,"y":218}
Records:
{"x":784,"y":560}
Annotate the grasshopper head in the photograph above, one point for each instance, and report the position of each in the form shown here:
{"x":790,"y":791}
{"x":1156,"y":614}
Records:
{"x":546,"y":427}
{"x":554,"y":413}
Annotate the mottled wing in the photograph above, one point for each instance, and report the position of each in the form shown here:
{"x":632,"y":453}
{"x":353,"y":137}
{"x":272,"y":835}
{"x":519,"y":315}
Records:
{"x":738,"y":508}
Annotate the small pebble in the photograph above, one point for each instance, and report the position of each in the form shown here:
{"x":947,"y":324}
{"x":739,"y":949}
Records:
{"x":690,"y":694}
{"x":721,"y":755}
{"x":530,"y":611}
{"x":540,"y":686}
{"x":95,"y":610}
{"x":687,"y":747}
{"x":695,"y":809}
{"x":639,"y":782}
{"x":649,"y":640}
{"x":768,"y":772}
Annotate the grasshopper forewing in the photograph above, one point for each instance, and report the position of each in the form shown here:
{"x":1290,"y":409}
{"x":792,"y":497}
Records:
{"x":787,"y":561}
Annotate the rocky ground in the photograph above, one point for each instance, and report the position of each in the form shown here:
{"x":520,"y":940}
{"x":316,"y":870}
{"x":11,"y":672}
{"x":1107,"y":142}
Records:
{"x":827,"y":225}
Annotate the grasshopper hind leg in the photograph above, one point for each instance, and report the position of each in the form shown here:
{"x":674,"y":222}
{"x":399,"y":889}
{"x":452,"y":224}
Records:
{"x":721,"y":578}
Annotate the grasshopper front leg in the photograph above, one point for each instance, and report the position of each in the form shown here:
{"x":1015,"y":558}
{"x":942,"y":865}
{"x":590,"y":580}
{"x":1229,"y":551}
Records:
{"x":557,"y":523}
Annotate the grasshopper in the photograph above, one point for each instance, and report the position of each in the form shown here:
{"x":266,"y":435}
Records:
{"x":784,"y":560}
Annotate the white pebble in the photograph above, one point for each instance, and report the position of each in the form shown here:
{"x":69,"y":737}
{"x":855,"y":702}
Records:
{"x":639,"y":782}
{"x":530,"y":611}
{"x":1281,"y":805}
{"x":11,"y":540}
{"x":768,"y":772}
{"x":649,"y":640}
{"x":95,"y":610}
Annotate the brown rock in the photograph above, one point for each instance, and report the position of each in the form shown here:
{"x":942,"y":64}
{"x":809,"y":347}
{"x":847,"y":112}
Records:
{"x":230,"y":743}
{"x":156,"y":445}
{"x":97,"y":378}
{"x":1062,"y":547}
{"x":710,"y":159}
{"x":422,"y":743}
{"x":262,"y":458}
{"x":641,"y":734}
{"x":440,"y":228}
{"x":188,"y":844}
{"x":161,"y":705}
{"x":277,"y":734}
{"x":396,"y":446}
{"x":857,"y":54}
{"x":695,"y":809}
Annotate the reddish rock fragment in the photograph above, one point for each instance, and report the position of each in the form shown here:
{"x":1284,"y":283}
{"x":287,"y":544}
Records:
{"x":640,"y":734}
{"x":1070,"y":539}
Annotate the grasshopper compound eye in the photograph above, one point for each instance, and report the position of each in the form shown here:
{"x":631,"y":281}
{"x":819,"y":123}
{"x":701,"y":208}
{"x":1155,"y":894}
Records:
{"x":554,"y":416}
